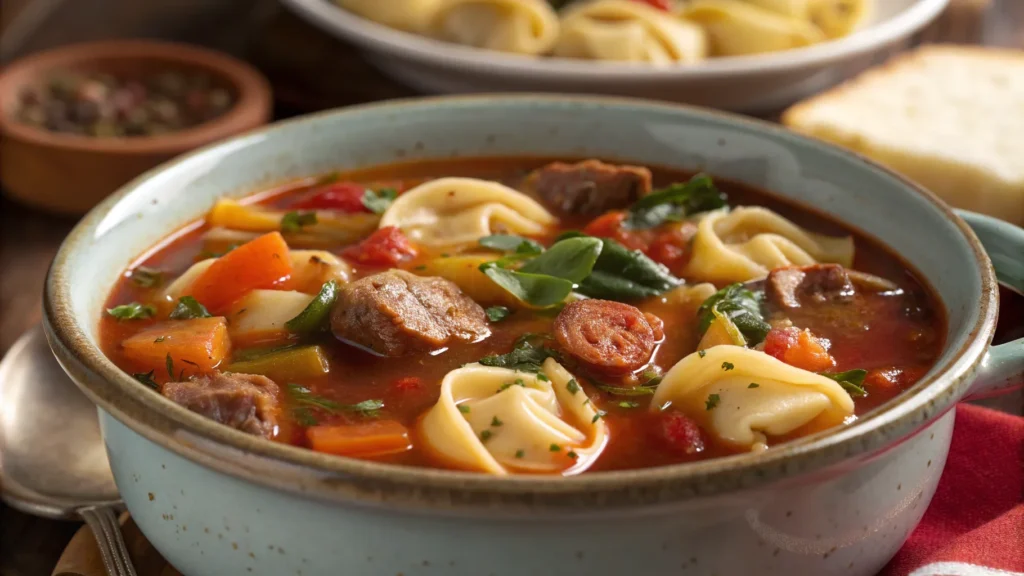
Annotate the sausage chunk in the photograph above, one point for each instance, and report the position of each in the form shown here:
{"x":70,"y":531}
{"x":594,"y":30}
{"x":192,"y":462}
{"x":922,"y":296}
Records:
{"x":590,"y":187}
{"x":609,"y":337}
{"x":807,"y":285}
{"x":246,"y":402}
{"x":395,"y":313}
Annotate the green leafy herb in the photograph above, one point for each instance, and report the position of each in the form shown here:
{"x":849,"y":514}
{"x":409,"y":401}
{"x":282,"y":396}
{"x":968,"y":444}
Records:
{"x":738,"y":305}
{"x":712,"y":402}
{"x":496,"y":422}
{"x":378,"y":202}
{"x":520,"y":453}
{"x":497,"y":313}
{"x":555,"y":448}
{"x":314,"y":316}
{"x":304,"y":416}
{"x":727,"y":366}
{"x":295,"y":221}
{"x":645,"y":389}
{"x":303,"y":397}
{"x":572,"y":454}
{"x":147,"y":379}
{"x":623,"y":274}
{"x":600,"y":414}
{"x":674,"y":203}
{"x":146,"y":277}
{"x":188,"y":308}
{"x":132,"y":311}
{"x":701,"y":353}
{"x":169,"y":362}
{"x":524,"y":357}
{"x":250,"y":354}
{"x":571,"y":259}
{"x":463,"y":408}
{"x":628,"y":404}
{"x":852,"y":381}
{"x":542,"y":377}
{"x":511,"y":243}
{"x":486,"y":435}
{"x":573,"y":387}
{"x":159,"y":339}
{"x":538,"y":290}
{"x":365,"y":407}
{"x":209,"y":254}
{"x":754,"y":385}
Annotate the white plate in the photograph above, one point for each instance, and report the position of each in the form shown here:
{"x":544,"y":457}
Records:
{"x":746,"y":83}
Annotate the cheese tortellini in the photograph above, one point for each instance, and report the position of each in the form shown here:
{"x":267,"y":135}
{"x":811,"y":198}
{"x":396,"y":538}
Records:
{"x":737,"y":28}
{"x":454,"y":212}
{"x":744,"y":397}
{"x":520,"y":26}
{"x":409,"y":15}
{"x":630,"y":31}
{"x":748,"y":242}
{"x":500,"y":421}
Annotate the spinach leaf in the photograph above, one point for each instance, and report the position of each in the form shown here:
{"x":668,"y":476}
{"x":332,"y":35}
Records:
{"x":132,"y":311}
{"x":571,"y":259}
{"x":674,"y":203}
{"x":146,"y":277}
{"x":511,"y":243}
{"x":538,"y":290}
{"x":295,"y":221}
{"x":739,"y":305}
{"x":189,"y":308}
{"x":852,"y":381}
{"x":378,"y":202}
{"x":497,"y":313}
{"x":624,"y":274}
{"x":526,"y":356}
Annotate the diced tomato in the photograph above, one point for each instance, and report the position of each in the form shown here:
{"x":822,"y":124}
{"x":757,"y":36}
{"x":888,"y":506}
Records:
{"x":665,"y":5}
{"x":408,"y":383}
{"x":798,"y":348}
{"x":681,"y":433}
{"x":386,"y":247}
{"x":893,"y":378}
{"x":607,"y":225}
{"x":340,"y":196}
{"x":672,"y":248}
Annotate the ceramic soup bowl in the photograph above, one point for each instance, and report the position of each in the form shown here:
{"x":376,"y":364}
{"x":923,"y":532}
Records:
{"x":215,"y":501}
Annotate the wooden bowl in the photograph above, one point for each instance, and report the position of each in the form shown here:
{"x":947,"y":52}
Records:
{"x":70,"y":173}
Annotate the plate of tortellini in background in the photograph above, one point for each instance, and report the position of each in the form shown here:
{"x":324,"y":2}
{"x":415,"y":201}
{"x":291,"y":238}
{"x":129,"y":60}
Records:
{"x":744,"y":55}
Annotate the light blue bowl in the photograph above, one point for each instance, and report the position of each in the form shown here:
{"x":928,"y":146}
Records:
{"x":217,"y":501}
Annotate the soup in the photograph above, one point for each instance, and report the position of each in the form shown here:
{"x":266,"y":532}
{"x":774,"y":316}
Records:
{"x":522,"y":316}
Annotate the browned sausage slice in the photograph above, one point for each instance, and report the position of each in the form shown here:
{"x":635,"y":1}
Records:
{"x":610,"y":337}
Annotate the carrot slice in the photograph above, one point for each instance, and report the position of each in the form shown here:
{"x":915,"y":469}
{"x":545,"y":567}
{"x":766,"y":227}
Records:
{"x":360,"y":440}
{"x":197,"y":345}
{"x":260,"y":263}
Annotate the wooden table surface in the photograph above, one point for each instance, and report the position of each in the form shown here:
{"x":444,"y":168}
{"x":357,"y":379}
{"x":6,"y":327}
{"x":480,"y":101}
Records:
{"x":309,"y":71}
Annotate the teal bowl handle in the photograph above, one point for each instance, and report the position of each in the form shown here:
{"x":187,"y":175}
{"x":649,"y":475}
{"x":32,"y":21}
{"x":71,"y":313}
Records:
{"x":1002,"y":369}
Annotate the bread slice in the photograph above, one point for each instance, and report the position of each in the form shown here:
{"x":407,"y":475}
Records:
{"x":949,"y":117}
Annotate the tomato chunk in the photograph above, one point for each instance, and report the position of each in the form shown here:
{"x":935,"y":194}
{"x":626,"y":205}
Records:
{"x":340,"y":196}
{"x":386,"y":247}
{"x":681,"y":433}
{"x":893,"y":378}
{"x":665,"y":5}
{"x":798,"y":348}
{"x":408,"y":383}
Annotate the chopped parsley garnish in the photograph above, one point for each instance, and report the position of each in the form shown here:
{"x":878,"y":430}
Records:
{"x":727,"y":366}
{"x":189,"y":308}
{"x":712,"y":401}
{"x":486,"y":435}
{"x":754,"y":385}
{"x":378,"y":202}
{"x":701,"y":353}
{"x":497,"y":313}
{"x":296,"y":221}
{"x":463,"y":408}
{"x":572,"y":454}
{"x":520,"y":453}
{"x":159,"y":339}
{"x":600,"y":414}
{"x":132,"y":311}
{"x":496,"y":422}
{"x":147,"y":379}
{"x":169,"y":362}
{"x":304,"y":398}
{"x":572,"y":386}
{"x":628,"y":404}
{"x":542,"y":377}
{"x":524,"y":357}
{"x":146,"y":277}
{"x":555,"y":448}
{"x":852,"y":381}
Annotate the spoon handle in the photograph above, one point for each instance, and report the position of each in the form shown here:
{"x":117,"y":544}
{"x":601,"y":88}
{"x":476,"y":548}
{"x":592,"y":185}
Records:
{"x":108,"y":536}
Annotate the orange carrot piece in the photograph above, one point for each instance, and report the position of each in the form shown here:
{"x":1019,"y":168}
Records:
{"x":374,"y":438}
{"x":194,"y":346}
{"x":260,"y":263}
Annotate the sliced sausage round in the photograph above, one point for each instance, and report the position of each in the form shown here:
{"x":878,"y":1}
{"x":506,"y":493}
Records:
{"x":610,"y":337}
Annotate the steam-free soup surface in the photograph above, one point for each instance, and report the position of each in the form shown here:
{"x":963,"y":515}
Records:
{"x":529,"y":316}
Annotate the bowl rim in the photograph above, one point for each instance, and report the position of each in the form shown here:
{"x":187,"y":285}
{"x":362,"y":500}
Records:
{"x":306,"y":473}
{"x":378,"y":37}
{"x":251,"y":108}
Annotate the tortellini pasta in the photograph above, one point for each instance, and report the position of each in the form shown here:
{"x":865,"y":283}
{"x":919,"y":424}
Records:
{"x":748,"y":242}
{"x":452,"y":212}
{"x":499,"y":421}
{"x":837,"y":18}
{"x":520,"y":26}
{"x":626,"y":30}
{"x":736,"y":28}
{"x":744,"y":396}
{"x":410,"y":15}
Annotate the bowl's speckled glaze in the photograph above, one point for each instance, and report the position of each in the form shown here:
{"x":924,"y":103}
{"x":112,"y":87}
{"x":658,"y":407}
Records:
{"x":336,"y":509}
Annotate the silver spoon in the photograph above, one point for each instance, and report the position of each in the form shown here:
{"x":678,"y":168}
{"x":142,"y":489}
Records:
{"x":52,"y":459}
